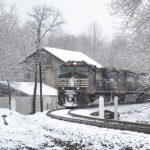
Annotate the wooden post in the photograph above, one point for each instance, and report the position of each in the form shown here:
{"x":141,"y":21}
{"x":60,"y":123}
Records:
{"x":35,"y":89}
{"x":40,"y":74}
{"x":111,"y":98}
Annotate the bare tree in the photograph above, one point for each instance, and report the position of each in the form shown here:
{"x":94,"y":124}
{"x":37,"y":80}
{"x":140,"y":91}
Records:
{"x":135,"y":16}
{"x":2,"y":8}
{"x":94,"y":34}
{"x":135,"y":19}
{"x":91,"y":42}
{"x":9,"y":43}
{"x":130,"y":11}
{"x":43,"y":19}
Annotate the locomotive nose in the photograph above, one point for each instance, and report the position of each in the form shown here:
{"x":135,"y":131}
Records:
{"x":71,"y":82}
{"x":70,"y":99}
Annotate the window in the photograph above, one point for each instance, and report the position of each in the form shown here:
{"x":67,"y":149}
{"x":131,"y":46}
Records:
{"x":65,"y":68}
{"x":81,"y":68}
{"x":112,"y":74}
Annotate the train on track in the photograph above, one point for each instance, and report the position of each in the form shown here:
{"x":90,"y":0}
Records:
{"x":81,"y":84}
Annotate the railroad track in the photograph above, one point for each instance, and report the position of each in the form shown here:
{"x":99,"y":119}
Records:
{"x":105,"y":123}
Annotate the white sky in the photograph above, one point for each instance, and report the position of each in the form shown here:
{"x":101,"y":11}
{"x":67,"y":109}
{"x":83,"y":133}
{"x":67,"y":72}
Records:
{"x":78,"y":14}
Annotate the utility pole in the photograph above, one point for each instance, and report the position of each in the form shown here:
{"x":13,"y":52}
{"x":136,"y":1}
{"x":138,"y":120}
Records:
{"x":35,"y":80}
{"x":40,"y":75}
{"x":35,"y":89}
{"x":9,"y":94}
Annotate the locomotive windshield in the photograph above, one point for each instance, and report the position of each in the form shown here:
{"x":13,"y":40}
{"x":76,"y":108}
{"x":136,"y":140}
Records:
{"x":112,"y":74}
{"x":66,"y":68}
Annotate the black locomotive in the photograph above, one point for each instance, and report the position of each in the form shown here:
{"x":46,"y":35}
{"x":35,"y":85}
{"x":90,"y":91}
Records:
{"x":81,"y":84}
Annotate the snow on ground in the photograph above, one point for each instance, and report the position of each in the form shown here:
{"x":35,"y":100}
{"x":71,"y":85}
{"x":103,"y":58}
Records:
{"x":62,"y":112}
{"x":41,"y":132}
{"x":132,"y":112}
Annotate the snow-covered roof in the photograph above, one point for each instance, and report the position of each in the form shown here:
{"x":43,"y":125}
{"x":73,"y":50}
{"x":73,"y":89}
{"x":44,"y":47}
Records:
{"x":28,"y":87}
{"x":66,"y":55}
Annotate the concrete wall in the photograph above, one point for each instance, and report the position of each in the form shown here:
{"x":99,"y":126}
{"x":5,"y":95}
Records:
{"x":24,"y":104}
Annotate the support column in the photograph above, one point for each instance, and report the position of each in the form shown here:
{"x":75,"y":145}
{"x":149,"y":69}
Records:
{"x":13,"y":104}
{"x":101,"y":107}
{"x":111,"y":98}
{"x":116,"y":107}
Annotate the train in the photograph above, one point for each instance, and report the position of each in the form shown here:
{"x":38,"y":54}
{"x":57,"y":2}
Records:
{"x":81,"y":84}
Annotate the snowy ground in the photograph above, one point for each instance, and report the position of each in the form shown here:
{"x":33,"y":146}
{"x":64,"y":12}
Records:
{"x":132,"y":112}
{"x":41,"y":132}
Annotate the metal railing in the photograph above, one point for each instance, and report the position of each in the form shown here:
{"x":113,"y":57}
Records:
{"x":77,"y":82}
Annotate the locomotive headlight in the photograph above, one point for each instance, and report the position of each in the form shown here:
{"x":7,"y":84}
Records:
{"x":78,"y":88}
{"x":74,"y":63}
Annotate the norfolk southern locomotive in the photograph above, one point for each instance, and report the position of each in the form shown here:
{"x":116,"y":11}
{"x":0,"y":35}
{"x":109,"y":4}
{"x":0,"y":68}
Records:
{"x":81,"y":84}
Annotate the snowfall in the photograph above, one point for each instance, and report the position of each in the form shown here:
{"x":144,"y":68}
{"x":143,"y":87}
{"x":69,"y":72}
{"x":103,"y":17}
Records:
{"x":38,"y":131}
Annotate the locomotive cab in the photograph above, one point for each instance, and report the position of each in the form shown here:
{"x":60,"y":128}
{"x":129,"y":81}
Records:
{"x":75,"y":82}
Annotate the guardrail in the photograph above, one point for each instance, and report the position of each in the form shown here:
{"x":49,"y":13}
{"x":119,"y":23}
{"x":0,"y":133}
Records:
{"x":112,"y":124}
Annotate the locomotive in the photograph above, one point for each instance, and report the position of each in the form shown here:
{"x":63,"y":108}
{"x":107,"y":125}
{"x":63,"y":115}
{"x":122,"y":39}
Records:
{"x":81,"y":84}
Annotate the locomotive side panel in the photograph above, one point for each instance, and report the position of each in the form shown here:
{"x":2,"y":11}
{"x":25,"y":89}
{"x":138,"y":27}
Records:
{"x":80,"y":84}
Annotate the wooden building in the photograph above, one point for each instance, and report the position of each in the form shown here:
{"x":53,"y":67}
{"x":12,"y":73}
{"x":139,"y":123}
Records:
{"x":51,"y":59}
{"x":21,"y":97}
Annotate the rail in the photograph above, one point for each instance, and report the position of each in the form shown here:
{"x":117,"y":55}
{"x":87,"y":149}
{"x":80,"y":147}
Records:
{"x":105,"y":123}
